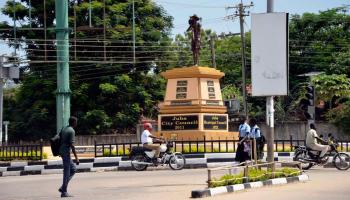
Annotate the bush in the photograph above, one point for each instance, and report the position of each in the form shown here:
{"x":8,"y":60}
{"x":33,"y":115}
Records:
{"x":15,"y":155}
{"x":108,"y":153}
{"x":253,"y":176}
{"x":227,"y":179}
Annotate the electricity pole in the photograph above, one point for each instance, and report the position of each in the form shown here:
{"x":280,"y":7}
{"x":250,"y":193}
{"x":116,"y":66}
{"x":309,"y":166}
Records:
{"x":133,"y":32}
{"x":63,"y":90}
{"x":241,"y":13}
{"x":212,"y":50}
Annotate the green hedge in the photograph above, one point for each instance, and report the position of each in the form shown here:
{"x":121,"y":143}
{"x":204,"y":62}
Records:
{"x":253,"y":176}
{"x":15,"y":155}
{"x":107,"y":152}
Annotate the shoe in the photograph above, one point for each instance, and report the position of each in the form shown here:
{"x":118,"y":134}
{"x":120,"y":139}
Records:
{"x":323,"y":160}
{"x":65,"y":194}
{"x":60,"y":190}
{"x":155,"y":161}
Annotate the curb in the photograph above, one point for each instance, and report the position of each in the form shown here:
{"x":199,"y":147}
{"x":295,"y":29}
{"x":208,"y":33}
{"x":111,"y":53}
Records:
{"x":193,"y":161}
{"x":238,"y":187}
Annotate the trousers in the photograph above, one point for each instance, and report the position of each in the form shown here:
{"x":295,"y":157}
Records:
{"x":69,"y":170}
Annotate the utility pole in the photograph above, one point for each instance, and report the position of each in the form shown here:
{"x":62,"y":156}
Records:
{"x":133,"y":32}
{"x":2,"y":60}
{"x":90,"y":8}
{"x":212,"y":48}
{"x":241,"y":13}
{"x":270,"y":111}
{"x":63,"y":91}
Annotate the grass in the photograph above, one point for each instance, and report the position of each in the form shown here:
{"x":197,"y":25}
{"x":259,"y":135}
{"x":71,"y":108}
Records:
{"x":15,"y":155}
{"x":253,"y":176}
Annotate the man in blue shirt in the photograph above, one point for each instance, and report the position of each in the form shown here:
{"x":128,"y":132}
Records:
{"x":244,"y":129}
{"x":256,"y":134}
{"x":242,"y":153}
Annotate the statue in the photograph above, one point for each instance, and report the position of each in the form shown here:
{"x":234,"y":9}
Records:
{"x":195,"y":27}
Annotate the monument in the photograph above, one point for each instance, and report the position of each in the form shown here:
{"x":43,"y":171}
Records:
{"x":193,"y":108}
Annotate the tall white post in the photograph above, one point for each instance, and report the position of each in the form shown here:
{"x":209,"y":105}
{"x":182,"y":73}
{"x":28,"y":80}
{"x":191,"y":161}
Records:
{"x":270,"y":111}
{"x":6,"y":123}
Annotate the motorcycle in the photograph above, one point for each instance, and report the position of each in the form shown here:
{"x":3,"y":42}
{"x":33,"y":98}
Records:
{"x":141,"y":157}
{"x":310,"y":158}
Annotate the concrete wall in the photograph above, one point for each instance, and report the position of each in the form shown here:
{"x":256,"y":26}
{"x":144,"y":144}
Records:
{"x":298,"y":130}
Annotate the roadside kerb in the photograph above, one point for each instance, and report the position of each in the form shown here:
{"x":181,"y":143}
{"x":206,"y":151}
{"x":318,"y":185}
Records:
{"x":208,"y":160}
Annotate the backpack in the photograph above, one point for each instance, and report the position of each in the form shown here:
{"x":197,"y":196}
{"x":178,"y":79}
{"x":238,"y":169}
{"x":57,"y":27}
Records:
{"x":55,"y":143}
{"x":262,"y":137}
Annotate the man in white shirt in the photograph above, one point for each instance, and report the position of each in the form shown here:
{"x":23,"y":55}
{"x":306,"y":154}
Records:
{"x":147,"y":139}
{"x":312,"y":141}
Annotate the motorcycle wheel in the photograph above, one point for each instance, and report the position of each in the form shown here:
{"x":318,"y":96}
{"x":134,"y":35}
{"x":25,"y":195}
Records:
{"x":138,"y":167}
{"x":341,"y":161}
{"x":299,"y":156}
{"x":177,"y":162}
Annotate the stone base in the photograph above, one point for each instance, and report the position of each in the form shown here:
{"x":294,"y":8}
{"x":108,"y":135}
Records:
{"x":197,"y":135}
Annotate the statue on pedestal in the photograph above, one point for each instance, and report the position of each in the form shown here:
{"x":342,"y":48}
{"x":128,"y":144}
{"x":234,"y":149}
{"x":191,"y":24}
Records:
{"x":195,"y":27}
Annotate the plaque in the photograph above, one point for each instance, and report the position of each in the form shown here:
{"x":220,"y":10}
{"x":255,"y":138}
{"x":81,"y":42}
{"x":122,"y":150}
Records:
{"x":178,"y":123}
{"x":215,"y":122}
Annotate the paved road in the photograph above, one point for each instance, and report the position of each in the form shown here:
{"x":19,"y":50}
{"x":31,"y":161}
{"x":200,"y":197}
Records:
{"x":325,"y":184}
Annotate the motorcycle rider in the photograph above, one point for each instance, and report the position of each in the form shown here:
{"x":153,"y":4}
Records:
{"x":313,"y":141}
{"x":147,"y":140}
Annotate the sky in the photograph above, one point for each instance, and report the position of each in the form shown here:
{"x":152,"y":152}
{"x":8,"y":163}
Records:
{"x":213,"y":12}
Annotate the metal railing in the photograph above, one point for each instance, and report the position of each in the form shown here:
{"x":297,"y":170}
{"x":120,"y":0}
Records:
{"x":21,"y":152}
{"x":202,"y":146}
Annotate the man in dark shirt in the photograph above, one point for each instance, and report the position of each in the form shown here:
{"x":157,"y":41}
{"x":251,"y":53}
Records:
{"x":67,"y":141}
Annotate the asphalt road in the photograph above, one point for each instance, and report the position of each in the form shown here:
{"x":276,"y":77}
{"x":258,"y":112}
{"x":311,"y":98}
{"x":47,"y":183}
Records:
{"x":325,"y":184}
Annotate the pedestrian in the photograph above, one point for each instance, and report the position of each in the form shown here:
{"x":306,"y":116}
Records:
{"x":243,"y":151}
{"x":67,"y":145}
{"x":255,"y":134}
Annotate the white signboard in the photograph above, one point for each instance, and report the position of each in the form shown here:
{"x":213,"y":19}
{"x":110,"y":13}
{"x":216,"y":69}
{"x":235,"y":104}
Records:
{"x":269,"y":43}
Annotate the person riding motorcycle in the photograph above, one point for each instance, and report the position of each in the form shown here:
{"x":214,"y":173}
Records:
{"x":314,"y":142}
{"x":147,"y":140}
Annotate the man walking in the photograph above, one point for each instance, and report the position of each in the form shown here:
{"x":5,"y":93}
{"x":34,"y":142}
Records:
{"x":67,"y":144}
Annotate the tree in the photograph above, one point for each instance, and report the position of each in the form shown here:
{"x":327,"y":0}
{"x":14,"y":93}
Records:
{"x":341,"y":64}
{"x":102,"y":94}
{"x":328,"y":87}
{"x":315,"y":39}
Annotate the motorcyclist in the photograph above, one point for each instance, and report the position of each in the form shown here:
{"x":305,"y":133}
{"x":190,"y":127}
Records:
{"x":147,"y":140}
{"x":313,"y":141}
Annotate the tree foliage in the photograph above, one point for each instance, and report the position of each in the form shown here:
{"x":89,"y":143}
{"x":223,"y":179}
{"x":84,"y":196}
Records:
{"x":105,"y":97}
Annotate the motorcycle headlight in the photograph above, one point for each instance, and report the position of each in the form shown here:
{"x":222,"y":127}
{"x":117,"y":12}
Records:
{"x":163,"y":148}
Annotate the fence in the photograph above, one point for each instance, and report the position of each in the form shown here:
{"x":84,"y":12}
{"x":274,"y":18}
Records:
{"x":21,"y":152}
{"x":201,"y":146}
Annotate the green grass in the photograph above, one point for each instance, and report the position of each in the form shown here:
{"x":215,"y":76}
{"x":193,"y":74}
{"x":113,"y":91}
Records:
{"x":253,"y":176}
{"x":15,"y":155}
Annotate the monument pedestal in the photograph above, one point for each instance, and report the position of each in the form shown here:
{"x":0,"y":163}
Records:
{"x":193,"y":108}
